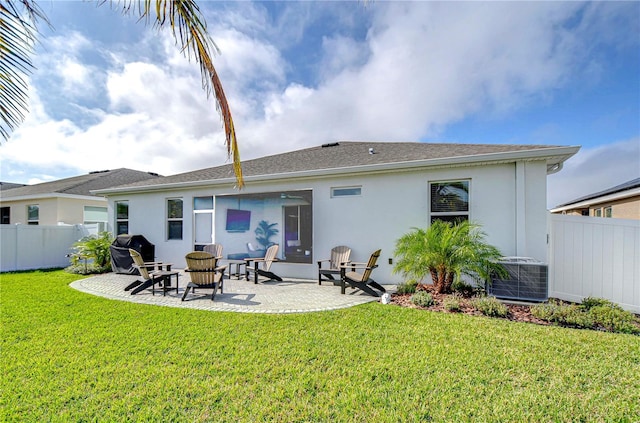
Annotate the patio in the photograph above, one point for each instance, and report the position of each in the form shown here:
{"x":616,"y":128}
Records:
{"x":288,"y":296}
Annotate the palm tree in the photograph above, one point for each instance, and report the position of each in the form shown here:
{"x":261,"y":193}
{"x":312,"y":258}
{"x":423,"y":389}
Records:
{"x":18,"y":33}
{"x":446,"y":252}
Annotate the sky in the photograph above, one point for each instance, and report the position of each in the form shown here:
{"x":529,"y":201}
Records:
{"x":109,"y":91}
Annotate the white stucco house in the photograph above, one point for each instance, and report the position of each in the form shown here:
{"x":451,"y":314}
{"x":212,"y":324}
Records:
{"x":361,"y":194}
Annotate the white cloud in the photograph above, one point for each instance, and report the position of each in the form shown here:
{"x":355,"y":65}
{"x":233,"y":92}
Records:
{"x":594,"y":169}
{"x":422,"y":66}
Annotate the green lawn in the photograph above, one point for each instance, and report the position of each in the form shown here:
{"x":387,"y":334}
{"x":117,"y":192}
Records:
{"x":69,"y":356}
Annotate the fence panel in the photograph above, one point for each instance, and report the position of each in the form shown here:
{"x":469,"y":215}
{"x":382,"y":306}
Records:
{"x":26,"y":247}
{"x":598,"y":257}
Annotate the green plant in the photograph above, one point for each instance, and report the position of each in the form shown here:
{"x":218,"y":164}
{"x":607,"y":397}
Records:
{"x":446,"y":252}
{"x":408,"y":287}
{"x":490,"y":306}
{"x":614,"y":319}
{"x":564,"y":314}
{"x":463,"y":288}
{"x":452,"y":303}
{"x":422,"y":299}
{"x":264,"y":232}
{"x":590,"y":302}
{"x":94,"y":248}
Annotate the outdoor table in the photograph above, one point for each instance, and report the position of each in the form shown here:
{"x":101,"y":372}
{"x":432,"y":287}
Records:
{"x":238,"y":264}
{"x":165,"y":276}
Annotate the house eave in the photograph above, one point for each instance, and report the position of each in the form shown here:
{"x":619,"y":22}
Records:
{"x":554,"y":157}
{"x":47,"y":196}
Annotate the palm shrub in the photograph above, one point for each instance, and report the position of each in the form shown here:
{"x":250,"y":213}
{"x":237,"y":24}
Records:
{"x":446,"y":252}
{"x":96,"y":248}
{"x":264,"y":232}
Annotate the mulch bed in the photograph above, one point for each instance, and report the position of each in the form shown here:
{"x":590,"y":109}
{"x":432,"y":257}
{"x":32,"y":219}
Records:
{"x":517,"y":312}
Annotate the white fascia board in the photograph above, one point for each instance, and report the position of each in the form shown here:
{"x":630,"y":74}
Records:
{"x":550,"y":155}
{"x":46,"y":196}
{"x":598,"y":200}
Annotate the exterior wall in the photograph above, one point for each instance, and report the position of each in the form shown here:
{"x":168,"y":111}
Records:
{"x":53,"y":210}
{"x":628,"y":208}
{"x":502,"y":198}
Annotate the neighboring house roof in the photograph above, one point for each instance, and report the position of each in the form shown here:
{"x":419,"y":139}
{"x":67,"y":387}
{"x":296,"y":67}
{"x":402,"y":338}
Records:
{"x":82,"y":185}
{"x":347,"y":157}
{"x":9,"y":185}
{"x":624,"y":190}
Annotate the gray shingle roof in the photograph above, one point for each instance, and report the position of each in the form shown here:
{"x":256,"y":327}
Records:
{"x":341,"y":155}
{"x":81,"y":185}
{"x":9,"y":185}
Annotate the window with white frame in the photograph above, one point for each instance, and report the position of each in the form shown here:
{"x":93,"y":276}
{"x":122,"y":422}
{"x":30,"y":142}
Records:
{"x":597,"y":212}
{"x":174,"y":218}
{"x":95,"y":216}
{"x":608,"y":212}
{"x":33,"y":214}
{"x":122,"y":217}
{"x":449,"y":200}
{"x":346,"y":191}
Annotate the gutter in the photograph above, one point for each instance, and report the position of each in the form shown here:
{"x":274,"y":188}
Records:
{"x":554,"y":156}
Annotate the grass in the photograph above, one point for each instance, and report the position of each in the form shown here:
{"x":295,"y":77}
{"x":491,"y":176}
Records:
{"x":69,"y":356}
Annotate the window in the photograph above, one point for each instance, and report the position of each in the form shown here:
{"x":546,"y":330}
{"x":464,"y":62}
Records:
{"x":608,"y":212}
{"x":202,"y":222}
{"x":5,"y":215}
{"x":33,"y":214}
{"x":122,"y":217}
{"x":597,"y":212}
{"x":95,"y":216}
{"x":346,"y":191}
{"x":174,"y":218}
{"x":449,"y":201}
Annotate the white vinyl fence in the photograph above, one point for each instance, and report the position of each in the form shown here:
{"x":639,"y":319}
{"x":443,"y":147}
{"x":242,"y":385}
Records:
{"x":597,"y":257}
{"x":25,"y":247}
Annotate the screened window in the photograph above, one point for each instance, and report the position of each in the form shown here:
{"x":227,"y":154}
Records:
{"x":597,"y":212}
{"x":122,"y":217}
{"x":449,"y":201}
{"x":174,"y":218}
{"x":346,"y":191}
{"x":96,"y":216}
{"x":33,"y":214}
{"x":5,"y":215}
{"x":608,"y":212}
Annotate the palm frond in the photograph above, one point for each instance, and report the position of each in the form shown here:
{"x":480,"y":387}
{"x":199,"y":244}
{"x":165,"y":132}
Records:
{"x":189,"y":29}
{"x":18,"y":34}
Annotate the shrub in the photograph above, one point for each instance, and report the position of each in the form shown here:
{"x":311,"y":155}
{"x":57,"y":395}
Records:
{"x":590,"y":302}
{"x":407,"y":287}
{"x":490,"y":306}
{"x":463,"y":288}
{"x":422,"y":299}
{"x":91,"y":254}
{"x":563,"y":314}
{"x":452,"y":303}
{"x":613,"y":318}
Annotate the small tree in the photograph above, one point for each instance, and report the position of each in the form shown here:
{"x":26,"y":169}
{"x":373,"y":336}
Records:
{"x":446,"y":252}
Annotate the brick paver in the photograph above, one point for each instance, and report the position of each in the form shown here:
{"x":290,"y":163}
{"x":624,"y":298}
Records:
{"x":289,"y":296}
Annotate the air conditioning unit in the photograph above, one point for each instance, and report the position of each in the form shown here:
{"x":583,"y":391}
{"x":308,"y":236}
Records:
{"x":527,"y":280}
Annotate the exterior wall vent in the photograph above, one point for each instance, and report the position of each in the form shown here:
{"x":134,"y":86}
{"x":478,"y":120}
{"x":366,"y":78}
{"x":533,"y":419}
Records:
{"x":330,"y":144}
{"x":527,"y":280}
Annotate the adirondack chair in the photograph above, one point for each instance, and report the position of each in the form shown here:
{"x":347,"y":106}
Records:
{"x":214,"y":249}
{"x":339,"y":257}
{"x":204,"y":272}
{"x":362,"y":280}
{"x":261,"y":266}
{"x":151,"y":277}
